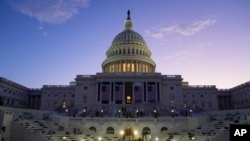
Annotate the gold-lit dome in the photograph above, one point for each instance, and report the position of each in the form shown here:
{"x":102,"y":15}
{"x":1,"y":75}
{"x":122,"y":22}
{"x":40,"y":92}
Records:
{"x":128,"y":53}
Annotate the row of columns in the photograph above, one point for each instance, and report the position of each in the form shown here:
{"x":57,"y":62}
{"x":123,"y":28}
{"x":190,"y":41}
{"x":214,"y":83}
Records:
{"x":225,"y":102}
{"x":34,"y":101}
{"x":144,"y":92}
{"x":128,"y":66}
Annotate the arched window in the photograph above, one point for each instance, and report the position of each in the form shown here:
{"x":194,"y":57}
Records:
{"x":164,"y":129}
{"x":110,"y":130}
{"x":92,"y":128}
{"x":64,"y":104}
{"x":146,"y":131}
{"x":120,"y":51}
{"x":133,"y":51}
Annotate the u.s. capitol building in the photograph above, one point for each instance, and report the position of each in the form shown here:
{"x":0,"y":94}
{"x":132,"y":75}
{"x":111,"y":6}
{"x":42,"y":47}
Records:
{"x":128,"y":100}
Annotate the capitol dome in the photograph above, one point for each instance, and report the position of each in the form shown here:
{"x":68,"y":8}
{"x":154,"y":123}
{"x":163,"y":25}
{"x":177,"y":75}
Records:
{"x":128,"y":53}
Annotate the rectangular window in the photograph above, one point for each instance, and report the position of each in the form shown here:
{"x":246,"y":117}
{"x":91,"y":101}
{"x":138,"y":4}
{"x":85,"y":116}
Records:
{"x":103,"y":88}
{"x":117,"y":88}
{"x":149,"y":88}
{"x":210,"y":105}
{"x":85,"y":99}
{"x":136,"y":88}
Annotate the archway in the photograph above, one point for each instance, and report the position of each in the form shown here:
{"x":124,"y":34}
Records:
{"x":110,"y":130}
{"x":92,"y":128}
{"x":146,"y":133}
{"x":128,"y":131}
{"x":164,"y":129}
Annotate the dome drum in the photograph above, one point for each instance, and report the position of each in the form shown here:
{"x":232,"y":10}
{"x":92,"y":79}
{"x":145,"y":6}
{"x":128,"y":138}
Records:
{"x":129,"y":66}
{"x":124,"y":50}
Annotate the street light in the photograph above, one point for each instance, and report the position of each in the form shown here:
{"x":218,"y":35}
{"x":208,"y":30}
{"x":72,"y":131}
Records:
{"x":137,"y":113}
{"x":84,"y":112}
{"x":172,"y":112}
{"x":192,"y":138}
{"x":190,"y":112}
{"x":155,"y":113}
{"x":122,"y":133}
{"x":66,"y":112}
{"x":119,"y":113}
{"x":102,"y":113}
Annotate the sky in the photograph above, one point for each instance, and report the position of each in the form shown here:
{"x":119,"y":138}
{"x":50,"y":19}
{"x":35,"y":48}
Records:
{"x":45,"y":42}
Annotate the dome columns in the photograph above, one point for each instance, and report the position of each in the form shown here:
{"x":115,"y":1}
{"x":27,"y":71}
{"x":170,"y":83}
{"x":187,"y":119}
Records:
{"x":128,"y":66}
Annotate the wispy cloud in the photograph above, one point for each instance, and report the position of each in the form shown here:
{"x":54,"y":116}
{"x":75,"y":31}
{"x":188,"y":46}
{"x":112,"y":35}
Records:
{"x":49,"y":11}
{"x":183,"y":54}
{"x":194,"y":51}
{"x":182,"y":29}
{"x":42,"y":30}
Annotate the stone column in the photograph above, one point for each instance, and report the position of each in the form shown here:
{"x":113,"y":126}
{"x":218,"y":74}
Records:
{"x":110,"y":91}
{"x":156,"y":92}
{"x":133,"y":93}
{"x":123,"y":93}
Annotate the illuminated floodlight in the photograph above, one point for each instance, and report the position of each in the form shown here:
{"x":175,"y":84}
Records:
{"x":122,"y":132}
{"x":135,"y":132}
{"x":156,"y":138}
{"x":64,"y":138}
{"x":100,"y":138}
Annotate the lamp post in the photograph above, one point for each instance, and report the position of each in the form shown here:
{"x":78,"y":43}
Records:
{"x":155,"y":113}
{"x":84,"y":110}
{"x":172,"y":113}
{"x":66,"y":112}
{"x":102,"y":113}
{"x":137,"y":113}
{"x":119,"y":113}
{"x":190,"y":112}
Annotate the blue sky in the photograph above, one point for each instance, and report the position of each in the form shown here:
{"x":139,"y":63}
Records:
{"x":45,"y":42}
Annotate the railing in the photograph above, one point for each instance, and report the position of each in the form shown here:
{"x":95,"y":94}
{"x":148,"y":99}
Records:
{"x":57,"y":86}
{"x":112,"y":119}
{"x":202,"y":86}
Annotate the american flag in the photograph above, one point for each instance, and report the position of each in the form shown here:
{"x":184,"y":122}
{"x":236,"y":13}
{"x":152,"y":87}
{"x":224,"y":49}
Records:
{"x":105,"y":91}
{"x":151,"y":92}
{"x":138,"y":92}
{"x":118,"y":91}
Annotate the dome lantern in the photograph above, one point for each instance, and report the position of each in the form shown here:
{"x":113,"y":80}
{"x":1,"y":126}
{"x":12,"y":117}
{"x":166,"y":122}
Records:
{"x":128,"y":22}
